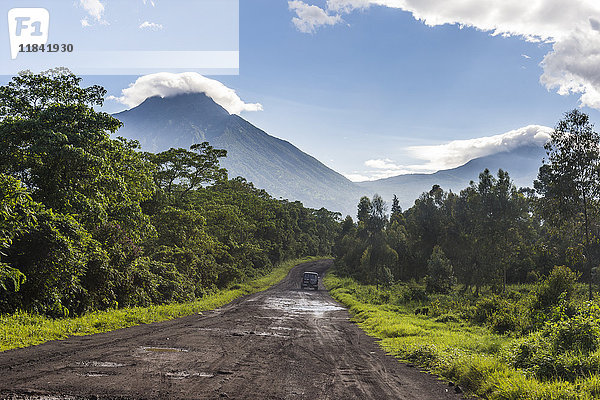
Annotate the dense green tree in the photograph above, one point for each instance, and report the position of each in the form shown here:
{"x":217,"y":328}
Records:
{"x":179,"y":171}
{"x":396,"y":210}
{"x":440,"y":274}
{"x":17,"y":214}
{"x":59,"y":147}
{"x":424,"y":225}
{"x":569,"y":181}
{"x":364,"y":209}
{"x":486,"y":234}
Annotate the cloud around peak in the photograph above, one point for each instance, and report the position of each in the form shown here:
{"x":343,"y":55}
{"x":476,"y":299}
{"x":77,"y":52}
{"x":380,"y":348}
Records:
{"x":453,"y":154}
{"x":165,"y":84}
{"x":459,"y":152}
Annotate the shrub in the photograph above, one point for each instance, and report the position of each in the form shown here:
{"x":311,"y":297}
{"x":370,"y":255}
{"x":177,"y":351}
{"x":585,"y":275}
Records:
{"x":415,"y":292}
{"x":485,"y":308}
{"x":560,"y":284}
{"x":579,"y":333}
{"x":564,"y":349}
{"x":503,"y":321}
{"x":440,"y":274}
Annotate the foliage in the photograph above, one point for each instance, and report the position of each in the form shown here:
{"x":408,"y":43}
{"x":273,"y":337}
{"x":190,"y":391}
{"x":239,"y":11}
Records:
{"x":88,"y":222}
{"x":481,"y":362}
{"x":560,"y":285}
{"x":440,"y":275}
{"x":485,"y":234}
{"x":23,"y":329}
{"x":16,"y":216}
{"x":570,"y":184}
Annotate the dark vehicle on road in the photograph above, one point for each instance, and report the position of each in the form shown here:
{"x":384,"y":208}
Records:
{"x":310,"y":280}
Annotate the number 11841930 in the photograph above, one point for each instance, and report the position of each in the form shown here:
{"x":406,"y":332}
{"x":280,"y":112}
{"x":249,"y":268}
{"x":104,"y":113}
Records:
{"x":46,"y":48}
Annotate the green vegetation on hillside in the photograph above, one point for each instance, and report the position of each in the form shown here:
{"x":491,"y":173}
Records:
{"x":486,"y":286}
{"x":88,"y":222}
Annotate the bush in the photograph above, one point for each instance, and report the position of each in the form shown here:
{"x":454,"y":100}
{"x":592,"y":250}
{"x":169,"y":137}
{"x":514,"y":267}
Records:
{"x":440,"y":274}
{"x":485,"y":308}
{"x":579,"y":333}
{"x":560,"y":284}
{"x":565,"y":349}
{"x":415,"y":292}
{"x":503,"y":321}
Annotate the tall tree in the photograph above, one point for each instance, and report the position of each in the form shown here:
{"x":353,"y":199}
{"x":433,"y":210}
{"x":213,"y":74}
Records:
{"x":60,"y":148}
{"x":396,"y":211}
{"x":364,"y":209}
{"x":179,"y":171}
{"x":569,"y":181}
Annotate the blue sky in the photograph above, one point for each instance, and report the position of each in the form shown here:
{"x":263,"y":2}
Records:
{"x":370,"y":82}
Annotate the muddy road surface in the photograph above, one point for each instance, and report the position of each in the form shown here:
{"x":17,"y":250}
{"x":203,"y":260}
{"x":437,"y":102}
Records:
{"x":284,"y":343}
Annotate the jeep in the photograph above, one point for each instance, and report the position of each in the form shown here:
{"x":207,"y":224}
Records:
{"x":310,"y":280}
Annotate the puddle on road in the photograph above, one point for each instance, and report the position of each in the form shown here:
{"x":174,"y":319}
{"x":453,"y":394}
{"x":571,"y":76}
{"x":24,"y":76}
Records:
{"x":99,"y":364}
{"x":40,"y":397}
{"x":243,"y":333}
{"x":187,"y":374}
{"x":301,"y":305}
{"x":93,"y":374}
{"x":164,"y":350}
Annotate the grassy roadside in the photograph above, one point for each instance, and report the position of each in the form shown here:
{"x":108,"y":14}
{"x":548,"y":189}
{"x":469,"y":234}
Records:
{"x":24,"y":329}
{"x":468,"y":355}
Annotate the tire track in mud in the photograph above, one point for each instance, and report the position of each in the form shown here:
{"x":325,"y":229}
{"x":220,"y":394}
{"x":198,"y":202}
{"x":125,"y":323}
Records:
{"x":283,"y":343}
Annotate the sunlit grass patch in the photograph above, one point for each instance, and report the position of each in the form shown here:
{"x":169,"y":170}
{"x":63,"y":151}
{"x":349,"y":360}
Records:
{"x":469,"y":355}
{"x":24,"y":329}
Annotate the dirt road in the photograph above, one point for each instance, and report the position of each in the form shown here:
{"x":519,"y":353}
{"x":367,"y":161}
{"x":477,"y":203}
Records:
{"x":284,"y":343}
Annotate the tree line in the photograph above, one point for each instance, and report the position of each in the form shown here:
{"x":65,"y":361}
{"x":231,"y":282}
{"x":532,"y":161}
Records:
{"x":90,"y":222}
{"x":491,"y":233}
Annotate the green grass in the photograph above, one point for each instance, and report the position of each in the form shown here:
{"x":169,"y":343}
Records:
{"x":469,"y":355}
{"x":23,"y":329}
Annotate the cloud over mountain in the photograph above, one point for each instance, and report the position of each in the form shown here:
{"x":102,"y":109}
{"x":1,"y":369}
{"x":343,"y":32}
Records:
{"x":455,"y":153}
{"x":166,"y":84}
{"x":573,"y":26}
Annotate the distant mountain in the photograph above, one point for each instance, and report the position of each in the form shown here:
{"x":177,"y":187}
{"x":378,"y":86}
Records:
{"x":282,"y":169}
{"x":270,"y":163}
{"x":522,"y":165}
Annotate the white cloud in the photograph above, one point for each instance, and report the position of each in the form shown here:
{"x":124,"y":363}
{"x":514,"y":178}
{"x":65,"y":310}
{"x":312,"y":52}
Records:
{"x":385,"y":163}
{"x":166,"y":84}
{"x":572,"y":26}
{"x":151,"y":2}
{"x":151,"y":25}
{"x":573,"y":66}
{"x":93,"y":7}
{"x":357,"y":177}
{"x":459,"y":152}
{"x":85,"y":23}
{"x":525,"y":56}
{"x":309,"y":18}
{"x":453,"y":154}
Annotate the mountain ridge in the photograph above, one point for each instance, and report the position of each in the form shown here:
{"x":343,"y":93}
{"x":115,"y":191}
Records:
{"x":285,"y":171}
{"x":273,"y":164}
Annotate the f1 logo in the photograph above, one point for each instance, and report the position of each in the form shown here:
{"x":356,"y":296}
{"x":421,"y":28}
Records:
{"x":27,"y":26}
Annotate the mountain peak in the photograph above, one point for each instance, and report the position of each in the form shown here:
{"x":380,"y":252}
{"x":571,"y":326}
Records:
{"x":182,"y":104}
{"x":268,"y":162}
